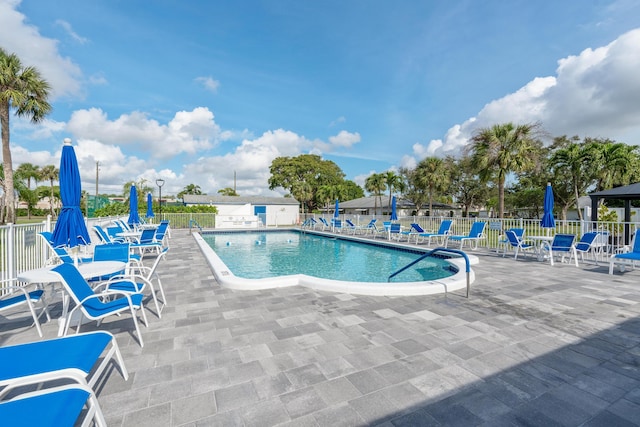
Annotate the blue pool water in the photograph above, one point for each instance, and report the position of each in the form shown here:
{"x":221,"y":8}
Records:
{"x":255,"y":255}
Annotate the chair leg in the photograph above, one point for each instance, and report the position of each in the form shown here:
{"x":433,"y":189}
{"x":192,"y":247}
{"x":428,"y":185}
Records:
{"x":135,"y":323}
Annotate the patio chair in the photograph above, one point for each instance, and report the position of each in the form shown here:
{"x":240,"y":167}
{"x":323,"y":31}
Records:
{"x":116,"y":252}
{"x":147,"y":242}
{"x":309,"y":223}
{"x":503,"y":241}
{"x":349,"y":226}
{"x":325,"y":224}
{"x":137,"y":281}
{"x":105,"y":238}
{"x":82,"y":358}
{"x":518,"y":244}
{"x":562,"y":244}
{"x":57,"y":406}
{"x":395,"y":231}
{"x":59,"y":253}
{"x":475,"y":235}
{"x":442,"y":233}
{"x":336,"y":225}
{"x":97,"y":306}
{"x":382,"y":231}
{"x":12,"y":297}
{"x":162,"y":233}
{"x":586,"y":245}
{"x":626,"y":258}
{"x":370,"y":227}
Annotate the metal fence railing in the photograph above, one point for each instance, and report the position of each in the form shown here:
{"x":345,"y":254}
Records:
{"x":21,"y":249}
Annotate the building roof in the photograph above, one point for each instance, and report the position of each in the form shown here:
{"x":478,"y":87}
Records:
{"x":204,"y":199}
{"x":371,"y":203}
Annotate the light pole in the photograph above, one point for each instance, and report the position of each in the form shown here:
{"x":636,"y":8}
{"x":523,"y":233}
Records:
{"x":160,"y":183}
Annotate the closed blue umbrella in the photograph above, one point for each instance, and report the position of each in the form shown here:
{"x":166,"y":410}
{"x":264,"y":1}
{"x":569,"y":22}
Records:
{"x":394,"y":214}
{"x":134,"y":219}
{"x":547,"y":220}
{"x":150,"y":206}
{"x":70,"y":229}
{"x":336,"y":212}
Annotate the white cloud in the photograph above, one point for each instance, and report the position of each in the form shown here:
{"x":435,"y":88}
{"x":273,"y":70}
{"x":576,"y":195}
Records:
{"x":344,"y":139}
{"x":16,"y":36}
{"x":338,"y":121}
{"x":250,"y":161}
{"x":209,"y":83}
{"x":592,"y":94}
{"x":188,"y":131}
{"x":67,"y":27}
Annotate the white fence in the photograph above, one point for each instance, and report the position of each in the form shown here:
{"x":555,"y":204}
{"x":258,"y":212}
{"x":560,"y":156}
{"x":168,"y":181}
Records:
{"x":22,"y":249}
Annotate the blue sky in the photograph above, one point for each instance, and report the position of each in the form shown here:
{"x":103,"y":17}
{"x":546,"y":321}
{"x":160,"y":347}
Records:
{"x":192,"y":91}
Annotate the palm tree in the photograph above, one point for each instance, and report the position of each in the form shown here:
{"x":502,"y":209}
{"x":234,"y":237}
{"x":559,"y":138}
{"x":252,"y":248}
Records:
{"x":22,"y":89}
{"x":374,"y":184}
{"x":502,"y":149}
{"x":613,"y":161}
{"x":432,"y":175}
{"x":28,"y":171}
{"x":227,"y":191}
{"x":326,"y":193}
{"x":391,"y":181}
{"x":50,"y":173}
{"x":572,"y":158}
{"x":303,"y":192}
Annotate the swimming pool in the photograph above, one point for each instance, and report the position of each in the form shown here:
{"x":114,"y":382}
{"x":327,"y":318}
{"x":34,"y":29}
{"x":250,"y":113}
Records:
{"x":281,"y":253}
{"x":242,"y":251}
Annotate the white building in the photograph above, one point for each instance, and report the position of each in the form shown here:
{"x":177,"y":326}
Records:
{"x":249,"y":211}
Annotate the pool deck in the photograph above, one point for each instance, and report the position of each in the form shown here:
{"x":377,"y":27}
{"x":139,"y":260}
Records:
{"x":534,"y":345}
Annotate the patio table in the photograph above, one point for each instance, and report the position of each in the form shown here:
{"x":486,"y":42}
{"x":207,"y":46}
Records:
{"x":88,"y":270}
{"x":538,"y":240}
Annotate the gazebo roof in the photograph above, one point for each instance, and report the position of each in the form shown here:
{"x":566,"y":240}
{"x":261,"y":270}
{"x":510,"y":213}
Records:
{"x":629,"y":192}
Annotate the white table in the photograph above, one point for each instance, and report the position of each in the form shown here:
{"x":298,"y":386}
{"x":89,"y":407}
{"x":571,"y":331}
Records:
{"x":130,"y":235}
{"x":538,"y":240}
{"x":88,"y":270}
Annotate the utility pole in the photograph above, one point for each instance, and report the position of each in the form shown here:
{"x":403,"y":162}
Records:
{"x":234,"y":182}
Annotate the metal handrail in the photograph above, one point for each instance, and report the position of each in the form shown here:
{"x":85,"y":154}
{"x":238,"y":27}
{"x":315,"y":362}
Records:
{"x":195,"y":223}
{"x":431,"y":252}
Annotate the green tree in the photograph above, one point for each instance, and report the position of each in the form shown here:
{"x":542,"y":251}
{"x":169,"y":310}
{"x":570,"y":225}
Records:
{"x":24,"y":90}
{"x":392,"y":181}
{"x":227,"y":191}
{"x":613,"y":162}
{"x":195,"y":189}
{"x":432,"y":175}
{"x":375,"y":185}
{"x":414,"y":189}
{"x":571,"y":158}
{"x":303,"y":193}
{"x":465,"y":185}
{"x":28,"y":171}
{"x":50,"y":173}
{"x":351,"y":191}
{"x":503,"y":149}
{"x":308,"y":168}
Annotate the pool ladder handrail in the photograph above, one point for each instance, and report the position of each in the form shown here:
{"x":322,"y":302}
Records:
{"x":194,"y":222}
{"x":431,"y":252}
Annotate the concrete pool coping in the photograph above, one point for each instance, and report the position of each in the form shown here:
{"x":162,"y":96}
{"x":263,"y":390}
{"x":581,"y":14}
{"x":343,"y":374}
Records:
{"x":227,"y":279}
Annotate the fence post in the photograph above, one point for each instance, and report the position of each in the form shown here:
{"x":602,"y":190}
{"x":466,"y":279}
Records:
{"x":11,"y":256}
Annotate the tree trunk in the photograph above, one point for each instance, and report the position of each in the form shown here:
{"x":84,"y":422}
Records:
{"x":7,"y":164}
{"x":501,"y":198}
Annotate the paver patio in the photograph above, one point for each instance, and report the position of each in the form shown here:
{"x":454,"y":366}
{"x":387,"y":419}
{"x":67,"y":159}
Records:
{"x":535,"y":345}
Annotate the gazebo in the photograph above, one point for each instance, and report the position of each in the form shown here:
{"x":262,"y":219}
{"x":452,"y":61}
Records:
{"x":626,"y":193}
